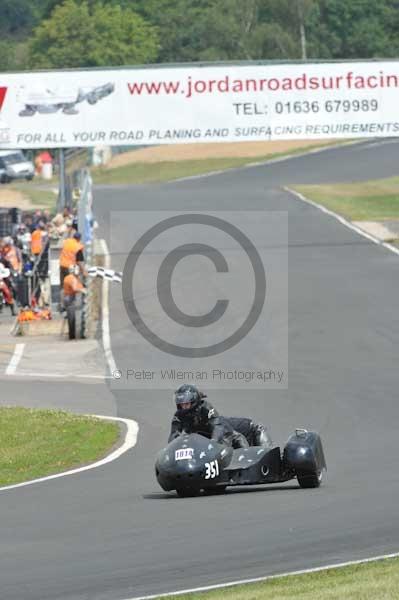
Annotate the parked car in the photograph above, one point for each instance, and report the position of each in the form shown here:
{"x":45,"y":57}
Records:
{"x":15,"y":165}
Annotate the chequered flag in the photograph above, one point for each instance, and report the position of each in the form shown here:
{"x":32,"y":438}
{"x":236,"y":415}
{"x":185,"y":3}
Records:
{"x":108,"y":274}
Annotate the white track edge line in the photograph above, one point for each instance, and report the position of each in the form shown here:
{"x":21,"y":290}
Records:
{"x":106,"y":337}
{"x":218,"y":586}
{"x":129,"y":442}
{"x":60,"y":375}
{"x":15,"y":359}
{"x":343,"y":221}
{"x":273,"y":161}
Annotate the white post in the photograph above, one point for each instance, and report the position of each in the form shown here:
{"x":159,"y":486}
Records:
{"x":302,"y":31}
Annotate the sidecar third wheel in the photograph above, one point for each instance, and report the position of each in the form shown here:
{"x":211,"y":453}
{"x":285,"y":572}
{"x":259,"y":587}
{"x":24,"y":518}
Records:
{"x":310,"y":480}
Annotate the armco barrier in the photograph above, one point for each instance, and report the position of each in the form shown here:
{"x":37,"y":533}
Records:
{"x":93,"y":298}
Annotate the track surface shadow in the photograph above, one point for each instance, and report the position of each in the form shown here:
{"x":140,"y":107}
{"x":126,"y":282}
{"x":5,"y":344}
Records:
{"x":229,"y":492}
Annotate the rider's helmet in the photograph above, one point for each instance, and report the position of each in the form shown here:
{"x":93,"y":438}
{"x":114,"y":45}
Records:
{"x":188,"y":398}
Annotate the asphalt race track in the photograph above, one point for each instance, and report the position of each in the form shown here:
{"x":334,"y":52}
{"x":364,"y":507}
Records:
{"x":112,"y":534}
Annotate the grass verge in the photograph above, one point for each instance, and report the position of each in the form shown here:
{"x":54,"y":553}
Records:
{"x":137,"y":173}
{"x":370,"y":581}
{"x":364,"y":201}
{"x":35,"y":443}
{"x":39,"y":197}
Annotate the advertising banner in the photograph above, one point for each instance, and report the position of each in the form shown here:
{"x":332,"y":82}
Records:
{"x":216,"y":103}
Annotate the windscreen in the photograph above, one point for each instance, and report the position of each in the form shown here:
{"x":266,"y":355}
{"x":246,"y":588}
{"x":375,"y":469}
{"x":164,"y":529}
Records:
{"x":12,"y":159}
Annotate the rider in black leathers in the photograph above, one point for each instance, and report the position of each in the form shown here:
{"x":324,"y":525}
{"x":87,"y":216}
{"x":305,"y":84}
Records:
{"x":256,"y":434}
{"x":195,"y":415}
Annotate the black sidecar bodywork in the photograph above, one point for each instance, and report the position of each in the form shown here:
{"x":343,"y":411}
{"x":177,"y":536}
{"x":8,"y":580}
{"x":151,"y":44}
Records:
{"x":192,"y":463}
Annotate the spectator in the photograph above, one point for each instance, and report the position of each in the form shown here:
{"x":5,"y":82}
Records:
{"x":28,"y":221}
{"x":57,"y":226}
{"x":44,"y":267}
{"x":46,"y":217}
{"x":38,"y":164}
{"x":61,"y":224}
{"x":5,"y":288}
{"x":37,"y":239}
{"x":71,"y":255}
{"x":24,"y":241}
{"x":67,"y":214}
{"x":72,"y":229}
{"x":72,"y":286}
{"x":8,"y":262}
{"x":47,"y":165}
{"x":37,"y":217}
{"x":12,"y":254}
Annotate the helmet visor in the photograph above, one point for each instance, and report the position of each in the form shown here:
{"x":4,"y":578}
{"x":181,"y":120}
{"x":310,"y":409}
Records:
{"x":185,"y":400}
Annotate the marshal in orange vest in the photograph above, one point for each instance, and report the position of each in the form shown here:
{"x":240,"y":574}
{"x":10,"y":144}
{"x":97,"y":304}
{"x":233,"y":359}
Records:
{"x":69,"y":251}
{"x":72,"y":285}
{"x":36,"y":242}
{"x":12,"y":255}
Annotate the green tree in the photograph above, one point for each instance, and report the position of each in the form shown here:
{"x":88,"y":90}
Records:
{"x":176,"y":23}
{"x":228,"y":30}
{"x":207,"y":30}
{"x":251,"y":30}
{"x":356,"y":29}
{"x":79,"y":35}
{"x":6,"y":56}
{"x":16,"y":16}
{"x":115,"y":32}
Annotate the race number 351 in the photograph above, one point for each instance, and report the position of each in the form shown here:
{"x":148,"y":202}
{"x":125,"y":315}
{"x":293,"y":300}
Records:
{"x":211,"y":469}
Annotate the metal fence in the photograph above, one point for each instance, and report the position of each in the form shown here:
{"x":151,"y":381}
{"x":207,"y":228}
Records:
{"x":86,"y":228}
{"x":82,"y":185}
{"x":10,"y":218}
{"x":69,"y":180}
